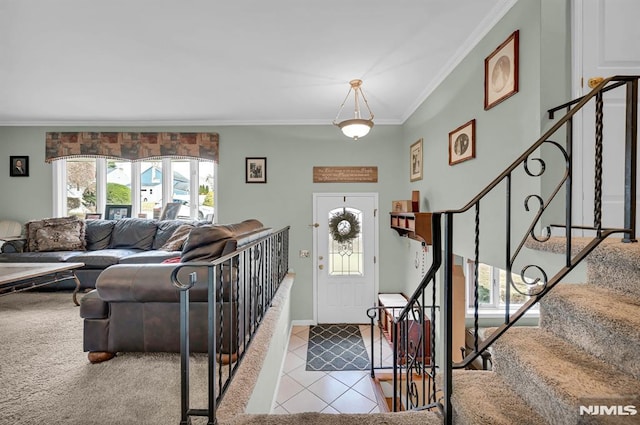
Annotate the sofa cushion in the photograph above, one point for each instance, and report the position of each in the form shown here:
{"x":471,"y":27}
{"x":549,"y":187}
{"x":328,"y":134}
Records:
{"x":177,"y":240}
{"x":137,"y":233}
{"x":56,"y":234}
{"x":102,"y":258}
{"x":38,"y":257}
{"x":245,"y":226}
{"x":206,"y":243}
{"x":154,"y":256}
{"x":98,"y":233}
{"x":165,"y":229}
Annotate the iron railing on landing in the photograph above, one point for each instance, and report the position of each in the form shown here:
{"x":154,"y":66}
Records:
{"x":240,"y":288}
{"x":538,"y":282}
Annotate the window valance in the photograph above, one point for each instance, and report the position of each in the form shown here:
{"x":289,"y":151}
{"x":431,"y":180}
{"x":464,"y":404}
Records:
{"x":131,"y":145}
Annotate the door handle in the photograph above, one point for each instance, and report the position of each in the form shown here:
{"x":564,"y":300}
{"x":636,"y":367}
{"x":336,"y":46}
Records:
{"x":594,"y":81}
{"x":321,"y":267}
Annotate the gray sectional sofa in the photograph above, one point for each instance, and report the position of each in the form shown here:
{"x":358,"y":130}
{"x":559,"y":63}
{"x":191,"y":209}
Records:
{"x":96,"y":243}
{"x":135,"y":307}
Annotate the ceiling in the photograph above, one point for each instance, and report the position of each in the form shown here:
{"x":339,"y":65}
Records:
{"x":208,"y":62}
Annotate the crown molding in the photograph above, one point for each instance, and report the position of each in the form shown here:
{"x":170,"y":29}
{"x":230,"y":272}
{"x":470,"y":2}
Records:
{"x":177,"y":123}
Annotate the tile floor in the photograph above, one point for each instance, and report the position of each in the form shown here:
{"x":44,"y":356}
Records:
{"x":327,"y":392}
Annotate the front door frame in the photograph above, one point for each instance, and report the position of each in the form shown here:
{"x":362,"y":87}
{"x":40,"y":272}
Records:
{"x":376,"y":227}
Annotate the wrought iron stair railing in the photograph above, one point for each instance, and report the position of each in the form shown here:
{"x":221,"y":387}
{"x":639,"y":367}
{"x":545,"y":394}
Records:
{"x":439,"y":395}
{"x":240,"y":288}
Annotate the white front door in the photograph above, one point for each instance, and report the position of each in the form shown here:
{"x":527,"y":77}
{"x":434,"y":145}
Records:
{"x":344,"y":256}
{"x":607,"y":37}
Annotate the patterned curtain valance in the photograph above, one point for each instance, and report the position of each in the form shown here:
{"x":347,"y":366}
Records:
{"x":132,"y":146}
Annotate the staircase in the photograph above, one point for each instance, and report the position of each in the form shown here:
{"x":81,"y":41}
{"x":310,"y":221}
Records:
{"x":586,"y":351}
{"x":580,"y":366}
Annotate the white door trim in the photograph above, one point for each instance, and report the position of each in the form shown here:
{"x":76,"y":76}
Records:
{"x":376,"y":227}
{"x":577,"y":202}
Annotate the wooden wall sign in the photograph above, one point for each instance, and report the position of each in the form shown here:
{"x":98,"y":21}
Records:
{"x":345,"y":174}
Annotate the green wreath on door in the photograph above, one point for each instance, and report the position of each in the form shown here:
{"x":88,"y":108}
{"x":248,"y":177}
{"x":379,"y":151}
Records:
{"x":344,"y":227}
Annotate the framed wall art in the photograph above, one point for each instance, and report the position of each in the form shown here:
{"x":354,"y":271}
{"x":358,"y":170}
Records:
{"x":19,"y":166}
{"x":415,"y":161}
{"x":170,"y":211}
{"x":462,"y":143}
{"x":256,"y":170}
{"x":116,"y":212}
{"x":92,"y":216}
{"x":501,"y":72}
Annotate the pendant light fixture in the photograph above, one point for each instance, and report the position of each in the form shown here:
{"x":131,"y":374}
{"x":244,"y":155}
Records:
{"x":356,"y":127}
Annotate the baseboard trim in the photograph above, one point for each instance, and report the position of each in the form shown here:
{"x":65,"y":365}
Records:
{"x":303,"y":323}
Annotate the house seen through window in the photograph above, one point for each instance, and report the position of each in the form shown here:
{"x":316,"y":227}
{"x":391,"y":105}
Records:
{"x":87,"y":185}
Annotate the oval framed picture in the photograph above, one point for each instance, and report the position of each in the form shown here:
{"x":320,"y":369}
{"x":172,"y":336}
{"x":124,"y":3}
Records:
{"x":501,"y":72}
{"x":462,"y":143}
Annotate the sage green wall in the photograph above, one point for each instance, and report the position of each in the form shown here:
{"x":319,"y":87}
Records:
{"x":555,"y":90}
{"x":285,"y":200}
{"x":287,"y":197}
{"x":25,"y":198}
{"x":503,"y":132}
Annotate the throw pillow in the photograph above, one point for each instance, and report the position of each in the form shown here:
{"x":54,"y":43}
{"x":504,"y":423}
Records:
{"x":178,"y":238}
{"x":58,"y":238}
{"x":56,"y":234}
{"x":171,"y":260}
{"x":206,"y":243}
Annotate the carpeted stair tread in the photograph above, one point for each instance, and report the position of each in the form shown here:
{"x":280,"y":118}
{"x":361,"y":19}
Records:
{"x":627,"y":252}
{"x":555,"y":375}
{"x":602,"y":322}
{"x":483,"y":398}
{"x":612,"y":264}
{"x":401,"y":418}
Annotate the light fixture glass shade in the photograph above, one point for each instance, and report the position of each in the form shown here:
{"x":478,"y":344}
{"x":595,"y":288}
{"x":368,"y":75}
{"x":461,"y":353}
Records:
{"x":355,"y":128}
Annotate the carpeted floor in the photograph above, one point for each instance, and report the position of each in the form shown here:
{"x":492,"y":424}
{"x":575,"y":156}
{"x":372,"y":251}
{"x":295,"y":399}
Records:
{"x":45,"y":376}
{"x":336,"y":347}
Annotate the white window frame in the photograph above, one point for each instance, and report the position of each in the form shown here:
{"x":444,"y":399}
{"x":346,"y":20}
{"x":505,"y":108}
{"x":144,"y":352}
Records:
{"x":59,"y":181}
{"x":493,"y":309}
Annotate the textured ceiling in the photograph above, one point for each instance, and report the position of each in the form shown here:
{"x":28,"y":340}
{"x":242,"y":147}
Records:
{"x":227,"y":62}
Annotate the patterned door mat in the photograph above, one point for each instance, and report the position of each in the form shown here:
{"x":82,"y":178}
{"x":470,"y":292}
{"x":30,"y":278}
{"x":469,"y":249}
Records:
{"x":336,"y":347}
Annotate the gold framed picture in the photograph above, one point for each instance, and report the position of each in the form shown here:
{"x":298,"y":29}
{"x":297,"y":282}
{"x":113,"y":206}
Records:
{"x":462,"y":143}
{"x":501,"y":72}
{"x":415,"y":161}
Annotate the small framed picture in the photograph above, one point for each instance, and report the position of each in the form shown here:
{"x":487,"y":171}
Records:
{"x":170,"y":211}
{"x":19,"y":166}
{"x":501,"y":72}
{"x":116,"y":212}
{"x":462,"y":143}
{"x":415,"y":161}
{"x":92,"y":216}
{"x":256,"y":170}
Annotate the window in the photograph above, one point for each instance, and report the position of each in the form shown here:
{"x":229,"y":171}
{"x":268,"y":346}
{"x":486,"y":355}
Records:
{"x":87,"y":185}
{"x":346,"y":258}
{"x":492,"y":289}
{"x":81,"y":186}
